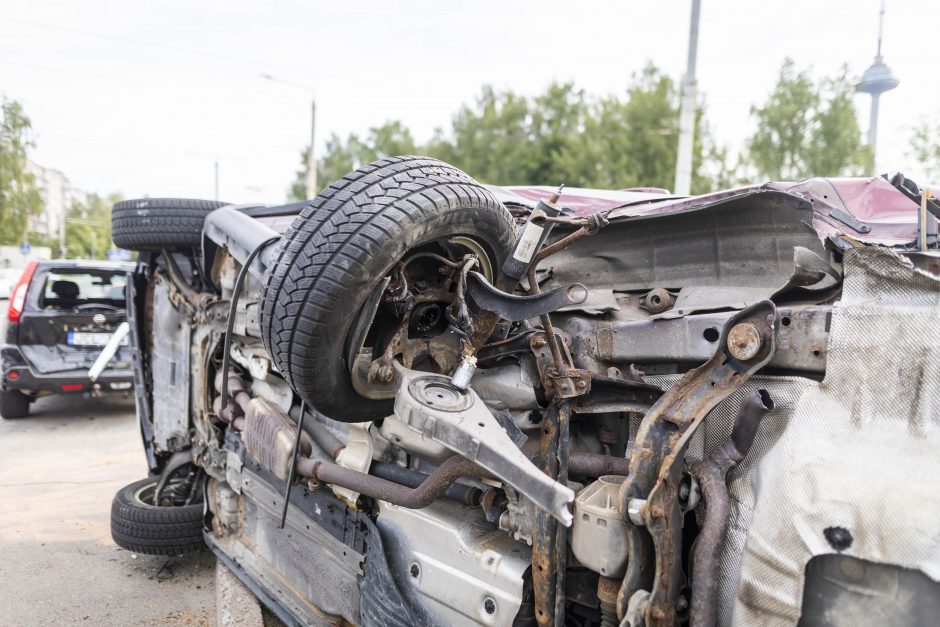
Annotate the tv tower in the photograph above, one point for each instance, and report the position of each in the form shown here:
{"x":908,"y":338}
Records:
{"x":876,"y":80}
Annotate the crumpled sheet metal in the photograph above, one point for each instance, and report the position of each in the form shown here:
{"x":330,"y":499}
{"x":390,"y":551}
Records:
{"x":861,"y":449}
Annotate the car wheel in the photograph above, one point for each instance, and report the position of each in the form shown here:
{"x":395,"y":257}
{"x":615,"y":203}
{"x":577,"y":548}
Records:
{"x":13,"y":404}
{"x":156,"y":223}
{"x":346,"y":242}
{"x":170,"y":528}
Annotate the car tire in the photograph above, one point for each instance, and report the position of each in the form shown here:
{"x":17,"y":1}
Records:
{"x":338,"y":249}
{"x":154,"y":530}
{"x":156,"y":223}
{"x":13,"y":404}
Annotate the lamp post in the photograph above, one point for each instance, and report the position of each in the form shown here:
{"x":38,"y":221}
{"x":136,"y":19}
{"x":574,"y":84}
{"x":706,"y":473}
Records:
{"x":683,"y":186}
{"x":310,"y":181}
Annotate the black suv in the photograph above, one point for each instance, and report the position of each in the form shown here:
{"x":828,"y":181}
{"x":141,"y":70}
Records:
{"x":61,"y":317}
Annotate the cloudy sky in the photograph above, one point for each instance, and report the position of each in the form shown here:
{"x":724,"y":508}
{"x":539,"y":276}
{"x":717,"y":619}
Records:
{"x":141,"y":98}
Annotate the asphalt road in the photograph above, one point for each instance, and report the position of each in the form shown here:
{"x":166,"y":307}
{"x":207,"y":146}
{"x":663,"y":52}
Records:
{"x":59,"y":469}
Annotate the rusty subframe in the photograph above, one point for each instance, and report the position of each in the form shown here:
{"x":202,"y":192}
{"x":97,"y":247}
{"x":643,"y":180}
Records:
{"x":549,"y":540}
{"x":561,"y":532}
{"x":588,"y":227}
{"x":544,"y":536}
{"x":654,"y":528}
{"x":711,"y":474}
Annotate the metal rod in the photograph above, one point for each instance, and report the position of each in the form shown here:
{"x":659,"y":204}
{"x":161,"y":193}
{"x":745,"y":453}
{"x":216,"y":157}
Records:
{"x":413,"y":498}
{"x":230,"y":323}
{"x":561,"y":537}
{"x":544,"y":536}
{"x":293,"y":462}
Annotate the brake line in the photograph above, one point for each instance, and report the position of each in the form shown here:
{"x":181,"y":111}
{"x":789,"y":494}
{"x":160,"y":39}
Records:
{"x":230,"y":323}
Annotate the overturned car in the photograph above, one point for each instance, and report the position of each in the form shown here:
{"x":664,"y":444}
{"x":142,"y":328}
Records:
{"x":419,"y":400}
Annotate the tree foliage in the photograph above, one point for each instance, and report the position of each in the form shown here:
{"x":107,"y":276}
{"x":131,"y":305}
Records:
{"x":88,"y":227}
{"x":19,"y":197}
{"x":560,"y":135}
{"x":807,"y":128}
{"x":344,"y":155}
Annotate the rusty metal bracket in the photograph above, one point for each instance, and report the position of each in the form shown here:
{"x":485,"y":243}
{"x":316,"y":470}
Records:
{"x":559,"y":383}
{"x":650,"y":494}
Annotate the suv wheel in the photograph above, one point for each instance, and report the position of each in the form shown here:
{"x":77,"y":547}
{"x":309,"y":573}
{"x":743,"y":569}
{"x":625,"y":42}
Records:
{"x":155,"y":223}
{"x":342,"y":245}
{"x":13,"y":404}
{"x":138,"y":525}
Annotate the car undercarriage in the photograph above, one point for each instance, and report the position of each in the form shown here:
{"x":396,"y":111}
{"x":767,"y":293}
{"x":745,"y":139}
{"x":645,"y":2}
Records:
{"x":420,"y":400}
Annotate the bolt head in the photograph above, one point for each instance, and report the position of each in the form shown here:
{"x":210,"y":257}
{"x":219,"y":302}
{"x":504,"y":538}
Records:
{"x":744,"y":341}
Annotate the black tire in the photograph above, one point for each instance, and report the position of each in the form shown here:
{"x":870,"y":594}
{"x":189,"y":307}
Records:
{"x":144,"y":528}
{"x":155,"y":223}
{"x":338,"y":249}
{"x":14,"y":404}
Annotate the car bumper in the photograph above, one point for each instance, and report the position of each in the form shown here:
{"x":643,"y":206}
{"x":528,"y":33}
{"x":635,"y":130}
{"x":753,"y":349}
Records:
{"x":68,"y":382}
{"x":16,"y":374}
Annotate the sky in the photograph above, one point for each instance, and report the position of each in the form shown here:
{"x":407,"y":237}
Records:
{"x":143,"y":98}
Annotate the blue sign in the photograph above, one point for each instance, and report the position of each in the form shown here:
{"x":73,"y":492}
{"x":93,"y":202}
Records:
{"x":25,"y":248}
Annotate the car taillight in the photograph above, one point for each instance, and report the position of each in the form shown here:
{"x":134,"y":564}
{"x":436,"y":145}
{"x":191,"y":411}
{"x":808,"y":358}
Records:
{"x":18,"y":296}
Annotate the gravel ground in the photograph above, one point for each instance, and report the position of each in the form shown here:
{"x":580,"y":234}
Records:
{"x":59,"y":469}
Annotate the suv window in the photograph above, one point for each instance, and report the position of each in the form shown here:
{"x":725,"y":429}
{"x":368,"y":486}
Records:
{"x":68,"y":288}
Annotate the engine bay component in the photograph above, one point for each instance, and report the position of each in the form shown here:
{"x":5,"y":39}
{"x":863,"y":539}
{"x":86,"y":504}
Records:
{"x":356,"y":455}
{"x":656,"y":466}
{"x":269,"y":437}
{"x":458,"y":419}
{"x":515,"y":307}
{"x":533,"y":236}
{"x":598,"y":536}
{"x":463,"y":569}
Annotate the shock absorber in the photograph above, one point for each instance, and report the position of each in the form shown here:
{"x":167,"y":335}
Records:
{"x":533,"y":236}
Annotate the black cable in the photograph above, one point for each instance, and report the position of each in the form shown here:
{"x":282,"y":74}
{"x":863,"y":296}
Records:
{"x":230,"y":323}
{"x":293,"y":461}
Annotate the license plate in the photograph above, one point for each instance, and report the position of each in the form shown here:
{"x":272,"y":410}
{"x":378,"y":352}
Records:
{"x":90,"y":339}
{"x":124,"y":385}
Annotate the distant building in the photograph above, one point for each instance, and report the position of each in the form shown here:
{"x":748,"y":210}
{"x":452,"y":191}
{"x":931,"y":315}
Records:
{"x":16,"y":256}
{"x":57,"y":196}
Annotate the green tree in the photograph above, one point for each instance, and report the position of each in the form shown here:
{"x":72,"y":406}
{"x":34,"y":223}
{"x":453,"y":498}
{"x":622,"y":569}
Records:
{"x":560,"y":135}
{"x":19,"y":196}
{"x":491,"y":139}
{"x":633,"y":141}
{"x":88,"y":227}
{"x":807,"y":129}
{"x":342,"y":156}
{"x":925,"y":147}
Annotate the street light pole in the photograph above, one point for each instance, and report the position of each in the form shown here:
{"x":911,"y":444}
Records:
{"x":683,"y":183}
{"x":311,"y":155}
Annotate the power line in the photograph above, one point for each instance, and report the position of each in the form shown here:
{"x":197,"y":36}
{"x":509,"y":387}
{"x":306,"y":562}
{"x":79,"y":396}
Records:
{"x":47,"y":68}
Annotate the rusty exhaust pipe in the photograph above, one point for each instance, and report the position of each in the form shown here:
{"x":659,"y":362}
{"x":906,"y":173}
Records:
{"x":711,"y":474}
